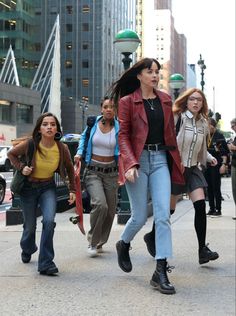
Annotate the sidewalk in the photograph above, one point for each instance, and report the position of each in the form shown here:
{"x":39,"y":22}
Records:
{"x":97,"y":286}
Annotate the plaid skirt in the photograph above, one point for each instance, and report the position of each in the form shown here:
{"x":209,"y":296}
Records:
{"x":194,"y":179}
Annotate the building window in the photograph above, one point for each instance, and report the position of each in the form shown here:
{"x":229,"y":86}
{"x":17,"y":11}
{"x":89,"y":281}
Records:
{"x":85,"y":64}
{"x":85,"y":27}
{"x":38,"y":47}
{"x":5,"y":111}
{"x":86,"y":8}
{"x":24,"y":113}
{"x":68,"y":46}
{"x":69,"y":27}
{"x":85,"y":45}
{"x":85,"y":82}
{"x":68,"y":63}
{"x":68,"y":82}
{"x":69,"y":9}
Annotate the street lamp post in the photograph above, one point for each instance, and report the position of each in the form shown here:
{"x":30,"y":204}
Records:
{"x":176,"y":83}
{"x":84,"y":106}
{"x":202,"y":65}
{"x":127,"y":41}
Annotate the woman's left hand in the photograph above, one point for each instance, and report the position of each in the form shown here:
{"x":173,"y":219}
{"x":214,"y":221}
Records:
{"x":214,"y":162}
{"x":72,"y":198}
{"x":222,"y":169}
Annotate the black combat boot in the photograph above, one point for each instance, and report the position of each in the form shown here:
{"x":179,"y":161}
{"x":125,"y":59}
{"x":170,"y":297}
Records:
{"x":160,"y":279}
{"x":205,"y":255}
{"x":149,"y":239}
{"x":123,"y":256}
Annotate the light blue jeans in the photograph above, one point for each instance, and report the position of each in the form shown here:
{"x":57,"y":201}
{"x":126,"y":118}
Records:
{"x":154,"y":177}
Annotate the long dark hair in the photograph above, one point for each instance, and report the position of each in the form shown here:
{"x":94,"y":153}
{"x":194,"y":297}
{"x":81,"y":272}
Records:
{"x":128,"y":82}
{"x":37,"y":136}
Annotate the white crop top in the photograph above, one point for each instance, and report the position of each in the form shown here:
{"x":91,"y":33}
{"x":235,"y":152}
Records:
{"x":103,"y":144}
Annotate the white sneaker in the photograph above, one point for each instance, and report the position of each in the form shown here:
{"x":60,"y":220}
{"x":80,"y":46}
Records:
{"x":100,"y":250}
{"x":92,"y":251}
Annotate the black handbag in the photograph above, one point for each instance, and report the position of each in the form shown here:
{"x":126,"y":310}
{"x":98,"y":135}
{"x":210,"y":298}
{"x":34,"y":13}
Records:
{"x":18,"y":179}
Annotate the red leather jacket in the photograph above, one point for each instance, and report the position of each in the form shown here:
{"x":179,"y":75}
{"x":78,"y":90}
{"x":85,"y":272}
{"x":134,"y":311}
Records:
{"x":134,"y":130}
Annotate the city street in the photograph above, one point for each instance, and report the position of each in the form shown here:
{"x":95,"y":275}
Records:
{"x":97,"y":286}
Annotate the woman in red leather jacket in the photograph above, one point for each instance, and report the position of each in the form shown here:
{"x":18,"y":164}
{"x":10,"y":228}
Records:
{"x":149,"y":160}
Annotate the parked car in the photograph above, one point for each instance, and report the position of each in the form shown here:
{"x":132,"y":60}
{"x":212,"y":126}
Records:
{"x":5,"y":163}
{"x":2,"y":188}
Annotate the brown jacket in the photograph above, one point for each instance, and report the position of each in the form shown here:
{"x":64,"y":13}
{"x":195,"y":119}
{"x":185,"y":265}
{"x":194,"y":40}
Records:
{"x":65,"y":163}
{"x":134,"y":130}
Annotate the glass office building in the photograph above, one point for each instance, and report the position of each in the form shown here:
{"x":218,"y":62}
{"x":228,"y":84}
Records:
{"x":89,"y":60}
{"x":17,"y":28}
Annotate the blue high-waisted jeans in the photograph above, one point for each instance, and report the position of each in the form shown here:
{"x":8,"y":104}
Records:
{"x":154,"y":177}
{"x":33,"y":195}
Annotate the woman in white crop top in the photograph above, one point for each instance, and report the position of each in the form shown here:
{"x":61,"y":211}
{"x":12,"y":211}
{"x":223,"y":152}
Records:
{"x":101,"y":175}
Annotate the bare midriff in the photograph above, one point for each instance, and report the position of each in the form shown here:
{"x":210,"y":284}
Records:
{"x":102,"y":158}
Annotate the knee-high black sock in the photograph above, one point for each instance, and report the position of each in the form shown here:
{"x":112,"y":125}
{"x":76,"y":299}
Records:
{"x":152,"y":232}
{"x":200,"y":222}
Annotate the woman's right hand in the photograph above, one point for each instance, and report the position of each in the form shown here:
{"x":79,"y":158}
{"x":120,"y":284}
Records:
{"x":77,"y":158}
{"x":131,"y":174}
{"x":26,"y":171}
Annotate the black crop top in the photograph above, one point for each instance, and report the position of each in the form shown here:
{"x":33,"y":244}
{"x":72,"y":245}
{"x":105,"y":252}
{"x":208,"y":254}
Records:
{"x":155,"y":117}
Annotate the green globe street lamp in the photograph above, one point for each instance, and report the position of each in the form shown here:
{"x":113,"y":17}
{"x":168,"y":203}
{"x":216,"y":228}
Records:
{"x":202,"y":66}
{"x":126,"y":41}
{"x":176,"y":83}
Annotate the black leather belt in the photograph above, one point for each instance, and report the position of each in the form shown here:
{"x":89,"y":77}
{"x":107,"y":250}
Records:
{"x":101,"y":169}
{"x":157,"y":147}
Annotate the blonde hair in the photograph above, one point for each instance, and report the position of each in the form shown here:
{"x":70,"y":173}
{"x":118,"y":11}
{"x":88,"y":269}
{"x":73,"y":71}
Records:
{"x":180,"y":104}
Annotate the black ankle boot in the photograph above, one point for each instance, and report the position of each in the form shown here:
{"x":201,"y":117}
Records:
{"x":160,"y":279}
{"x":149,"y":239}
{"x":205,"y":255}
{"x":123,"y":256}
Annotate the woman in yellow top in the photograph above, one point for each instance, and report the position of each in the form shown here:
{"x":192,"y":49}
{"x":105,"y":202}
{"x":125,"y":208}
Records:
{"x":49,"y":156}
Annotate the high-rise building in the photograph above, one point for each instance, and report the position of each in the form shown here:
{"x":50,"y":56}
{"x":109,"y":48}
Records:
{"x":90,"y":62}
{"x":160,"y":39}
{"x":17,"y":28}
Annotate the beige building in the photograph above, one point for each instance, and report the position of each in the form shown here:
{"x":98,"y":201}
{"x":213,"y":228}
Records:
{"x":159,"y":39}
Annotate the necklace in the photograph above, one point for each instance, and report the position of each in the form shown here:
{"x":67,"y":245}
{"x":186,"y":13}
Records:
{"x":151,"y":104}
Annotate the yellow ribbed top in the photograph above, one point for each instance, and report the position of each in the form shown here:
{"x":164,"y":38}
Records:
{"x":47,"y":163}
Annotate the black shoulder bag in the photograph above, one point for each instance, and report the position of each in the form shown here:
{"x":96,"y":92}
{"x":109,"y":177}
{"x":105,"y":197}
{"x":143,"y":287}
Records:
{"x":18,"y":179}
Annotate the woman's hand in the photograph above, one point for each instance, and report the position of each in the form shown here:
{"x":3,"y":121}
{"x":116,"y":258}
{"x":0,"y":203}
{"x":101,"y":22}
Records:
{"x":26,"y":171}
{"x":72,"y":198}
{"x":182,"y":168}
{"x":131,"y":174}
{"x":222,"y":169}
{"x":214,"y":162}
{"x":77,"y":158}
{"x":231,"y":147}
